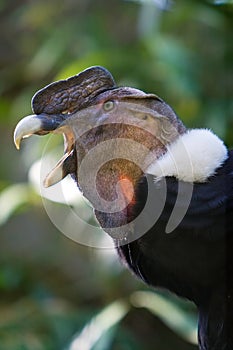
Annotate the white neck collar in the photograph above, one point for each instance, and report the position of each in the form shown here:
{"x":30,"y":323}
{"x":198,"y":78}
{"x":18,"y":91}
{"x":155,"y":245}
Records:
{"x":193,"y":157}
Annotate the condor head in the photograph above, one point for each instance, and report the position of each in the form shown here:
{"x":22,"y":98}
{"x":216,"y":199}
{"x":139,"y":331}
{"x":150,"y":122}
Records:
{"x":111,"y":136}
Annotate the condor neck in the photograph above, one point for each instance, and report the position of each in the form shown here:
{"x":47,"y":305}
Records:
{"x":116,"y":183}
{"x":193,"y":157}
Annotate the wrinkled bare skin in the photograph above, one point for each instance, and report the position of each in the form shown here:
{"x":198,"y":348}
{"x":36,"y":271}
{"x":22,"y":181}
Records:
{"x":111,"y":136}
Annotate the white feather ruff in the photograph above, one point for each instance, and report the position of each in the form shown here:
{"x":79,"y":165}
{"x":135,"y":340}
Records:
{"x":193,"y":157}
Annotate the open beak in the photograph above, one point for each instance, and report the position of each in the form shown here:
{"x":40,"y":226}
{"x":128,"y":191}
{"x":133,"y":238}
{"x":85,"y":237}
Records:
{"x":54,"y":104}
{"x":43,"y":124}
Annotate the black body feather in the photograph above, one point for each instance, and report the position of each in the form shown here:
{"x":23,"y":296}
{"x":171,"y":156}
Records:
{"x":183,"y":240}
{"x":195,"y":260}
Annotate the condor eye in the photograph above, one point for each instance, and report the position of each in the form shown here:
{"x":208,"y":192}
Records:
{"x":108,"y":106}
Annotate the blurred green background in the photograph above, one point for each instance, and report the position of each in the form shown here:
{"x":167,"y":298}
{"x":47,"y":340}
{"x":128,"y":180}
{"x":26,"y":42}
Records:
{"x":57,"y":294}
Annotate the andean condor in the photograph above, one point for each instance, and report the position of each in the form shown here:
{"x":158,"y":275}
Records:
{"x":163,"y":192}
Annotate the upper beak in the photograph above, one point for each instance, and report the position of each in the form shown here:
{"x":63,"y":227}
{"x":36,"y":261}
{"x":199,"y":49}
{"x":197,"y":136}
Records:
{"x":43,"y":124}
{"x":58,"y":102}
{"x":40,"y":124}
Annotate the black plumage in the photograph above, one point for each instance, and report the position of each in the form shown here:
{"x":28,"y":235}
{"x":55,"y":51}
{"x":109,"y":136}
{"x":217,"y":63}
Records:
{"x":195,"y":260}
{"x":177,"y":229}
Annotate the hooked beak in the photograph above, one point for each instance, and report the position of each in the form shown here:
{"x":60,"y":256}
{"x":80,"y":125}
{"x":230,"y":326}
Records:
{"x":55,"y":104}
{"x":43,"y":124}
{"x":38,"y":124}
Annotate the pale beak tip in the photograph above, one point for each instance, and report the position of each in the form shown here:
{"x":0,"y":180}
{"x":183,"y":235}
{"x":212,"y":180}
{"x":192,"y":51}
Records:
{"x":17,"y":145}
{"x":27,"y":126}
{"x":54,"y":176}
{"x":17,"y":140}
{"x":46,"y":183}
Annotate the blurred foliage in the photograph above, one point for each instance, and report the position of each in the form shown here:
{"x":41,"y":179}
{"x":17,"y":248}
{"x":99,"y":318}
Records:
{"x":54,"y":291}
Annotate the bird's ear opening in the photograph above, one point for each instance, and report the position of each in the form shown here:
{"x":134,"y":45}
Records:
{"x":169,"y":131}
{"x":171,"y":125}
{"x":156,"y":116}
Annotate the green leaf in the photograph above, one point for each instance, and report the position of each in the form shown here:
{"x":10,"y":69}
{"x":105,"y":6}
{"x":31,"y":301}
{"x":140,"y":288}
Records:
{"x":100,"y":326}
{"x":181,"y":322}
{"x":223,"y":2}
{"x":11,"y":198}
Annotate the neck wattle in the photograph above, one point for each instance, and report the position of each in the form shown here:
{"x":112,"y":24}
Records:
{"x":116,"y":183}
